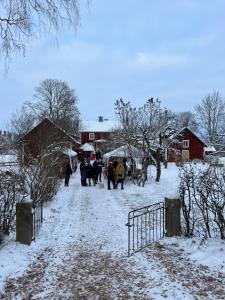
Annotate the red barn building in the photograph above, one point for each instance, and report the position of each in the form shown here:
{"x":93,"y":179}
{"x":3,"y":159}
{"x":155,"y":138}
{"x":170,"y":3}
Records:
{"x":43,"y":135}
{"x":185,"y":146}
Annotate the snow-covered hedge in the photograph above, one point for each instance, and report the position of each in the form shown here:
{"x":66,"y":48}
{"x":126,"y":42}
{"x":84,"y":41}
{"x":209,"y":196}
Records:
{"x":202,"y":192}
{"x":11,"y":192}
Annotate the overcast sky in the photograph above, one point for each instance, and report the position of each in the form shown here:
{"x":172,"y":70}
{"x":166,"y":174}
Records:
{"x":134,"y":49}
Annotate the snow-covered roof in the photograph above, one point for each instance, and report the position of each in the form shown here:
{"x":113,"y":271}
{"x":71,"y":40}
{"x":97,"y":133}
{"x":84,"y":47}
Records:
{"x":69,"y":152}
{"x":221,"y":160}
{"x":4,"y":158}
{"x":96,"y":126}
{"x":101,"y":141}
{"x":209,"y":149}
{"x":56,"y":126}
{"x":87,"y":147}
{"x":180,"y":132}
{"x":124,"y":151}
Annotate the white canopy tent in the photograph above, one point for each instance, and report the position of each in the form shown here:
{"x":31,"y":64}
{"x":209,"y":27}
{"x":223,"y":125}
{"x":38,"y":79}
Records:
{"x":87,"y":147}
{"x":72,"y":157}
{"x":69,"y":152}
{"x":124,"y":151}
{"x":132,"y":154}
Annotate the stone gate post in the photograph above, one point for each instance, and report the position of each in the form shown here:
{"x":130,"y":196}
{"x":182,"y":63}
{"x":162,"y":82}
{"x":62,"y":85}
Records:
{"x":172,"y":217}
{"x":24,"y":223}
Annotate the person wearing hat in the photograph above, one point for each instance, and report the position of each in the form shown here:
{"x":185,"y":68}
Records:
{"x":111,"y":175}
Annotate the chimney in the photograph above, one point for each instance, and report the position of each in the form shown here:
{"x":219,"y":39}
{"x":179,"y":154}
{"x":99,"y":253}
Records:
{"x":100,"y":118}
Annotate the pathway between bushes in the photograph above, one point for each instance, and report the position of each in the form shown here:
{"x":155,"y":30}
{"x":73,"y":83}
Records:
{"x":82,"y":254}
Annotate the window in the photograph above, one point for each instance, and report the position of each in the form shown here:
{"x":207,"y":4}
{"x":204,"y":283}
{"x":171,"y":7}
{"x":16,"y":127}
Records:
{"x":185,"y":143}
{"x":91,"y":136}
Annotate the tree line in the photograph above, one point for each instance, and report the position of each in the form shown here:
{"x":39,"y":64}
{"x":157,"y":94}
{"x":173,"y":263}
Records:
{"x":150,"y":126}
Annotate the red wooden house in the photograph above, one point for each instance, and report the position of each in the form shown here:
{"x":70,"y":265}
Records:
{"x":185,"y":146}
{"x":97,"y":132}
{"x":45,"y":134}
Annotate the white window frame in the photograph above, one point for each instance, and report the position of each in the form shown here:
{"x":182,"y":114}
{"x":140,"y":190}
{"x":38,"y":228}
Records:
{"x":91,"y":136}
{"x":185,"y":144}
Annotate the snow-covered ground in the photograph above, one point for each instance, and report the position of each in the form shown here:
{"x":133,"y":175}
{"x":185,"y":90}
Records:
{"x":81,"y":251}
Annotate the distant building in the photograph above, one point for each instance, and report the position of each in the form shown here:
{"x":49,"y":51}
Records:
{"x":97,"y":132}
{"x":185,"y":146}
{"x":44,"y":135}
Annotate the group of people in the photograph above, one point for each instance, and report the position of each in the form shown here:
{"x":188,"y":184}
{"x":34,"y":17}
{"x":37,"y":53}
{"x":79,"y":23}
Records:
{"x":115,"y":173}
{"x":91,"y":172}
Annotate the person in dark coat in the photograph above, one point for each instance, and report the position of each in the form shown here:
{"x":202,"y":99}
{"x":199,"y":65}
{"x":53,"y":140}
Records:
{"x":67,"y":170}
{"x":95,"y":172}
{"x":83,"y":173}
{"x":98,"y":154}
{"x":89,"y":172}
{"x":100,"y":166}
{"x":111,"y":175}
{"x":115,"y":163}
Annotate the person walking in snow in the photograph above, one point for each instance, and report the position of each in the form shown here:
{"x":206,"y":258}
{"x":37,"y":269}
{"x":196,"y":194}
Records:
{"x":89,"y":172}
{"x":111,"y":175}
{"x":83,"y":174}
{"x":67,"y":171}
{"x":98,"y":154}
{"x":95,"y":172}
{"x":115,"y":163}
{"x":100,"y":166}
{"x":120,"y":174}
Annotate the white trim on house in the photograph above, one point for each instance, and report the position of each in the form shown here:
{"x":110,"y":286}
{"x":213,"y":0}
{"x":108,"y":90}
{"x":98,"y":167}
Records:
{"x":185,"y":144}
{"x":91,"y":136}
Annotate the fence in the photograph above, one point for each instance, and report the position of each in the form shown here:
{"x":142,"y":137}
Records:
{"x":37,"y":213}
{"x":145,"y":225}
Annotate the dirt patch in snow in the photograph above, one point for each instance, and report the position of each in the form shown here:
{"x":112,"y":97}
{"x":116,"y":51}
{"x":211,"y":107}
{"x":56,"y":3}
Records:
{"x":84,"y":273}
{"x":197,"y":279}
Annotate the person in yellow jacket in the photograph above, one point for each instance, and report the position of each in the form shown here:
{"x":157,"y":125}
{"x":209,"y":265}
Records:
{"x":120,"y":174}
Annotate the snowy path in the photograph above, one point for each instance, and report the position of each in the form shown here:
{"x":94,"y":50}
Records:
{"x":81,"y":253}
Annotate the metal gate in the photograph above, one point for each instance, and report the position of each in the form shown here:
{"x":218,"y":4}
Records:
{"x":145,"y":225}
{"x":37,"y":213}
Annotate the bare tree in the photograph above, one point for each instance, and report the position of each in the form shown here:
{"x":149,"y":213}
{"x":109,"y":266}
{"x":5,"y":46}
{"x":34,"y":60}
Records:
{"x":21,"y":20}
{"x":211,"y":117}
{"x":54,"y":100}
{"x":187,"y":192}
{"x":187,"y":119}
{"x":41,"y":173}
{"x":22,"y":121}
{"x":147,"y":127}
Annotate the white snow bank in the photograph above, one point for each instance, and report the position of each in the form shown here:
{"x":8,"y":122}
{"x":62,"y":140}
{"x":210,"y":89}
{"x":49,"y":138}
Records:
{"x":210,"y":253}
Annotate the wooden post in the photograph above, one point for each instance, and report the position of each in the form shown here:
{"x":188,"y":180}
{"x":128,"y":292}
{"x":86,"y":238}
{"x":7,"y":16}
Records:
{"x":24,"y":223}
{"x":172,"y":217}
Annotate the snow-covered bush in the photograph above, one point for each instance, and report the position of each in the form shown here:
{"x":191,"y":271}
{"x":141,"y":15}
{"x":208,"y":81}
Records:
{"x":42,"y":176}
{"x":38,"y":181}
{"x":11,"y":192}
{"x":202,"y":192}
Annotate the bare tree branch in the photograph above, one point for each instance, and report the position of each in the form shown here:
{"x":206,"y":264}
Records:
{"x":21,"y":20}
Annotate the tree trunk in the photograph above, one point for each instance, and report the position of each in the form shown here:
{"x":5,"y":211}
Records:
{"x":158,"y":165}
